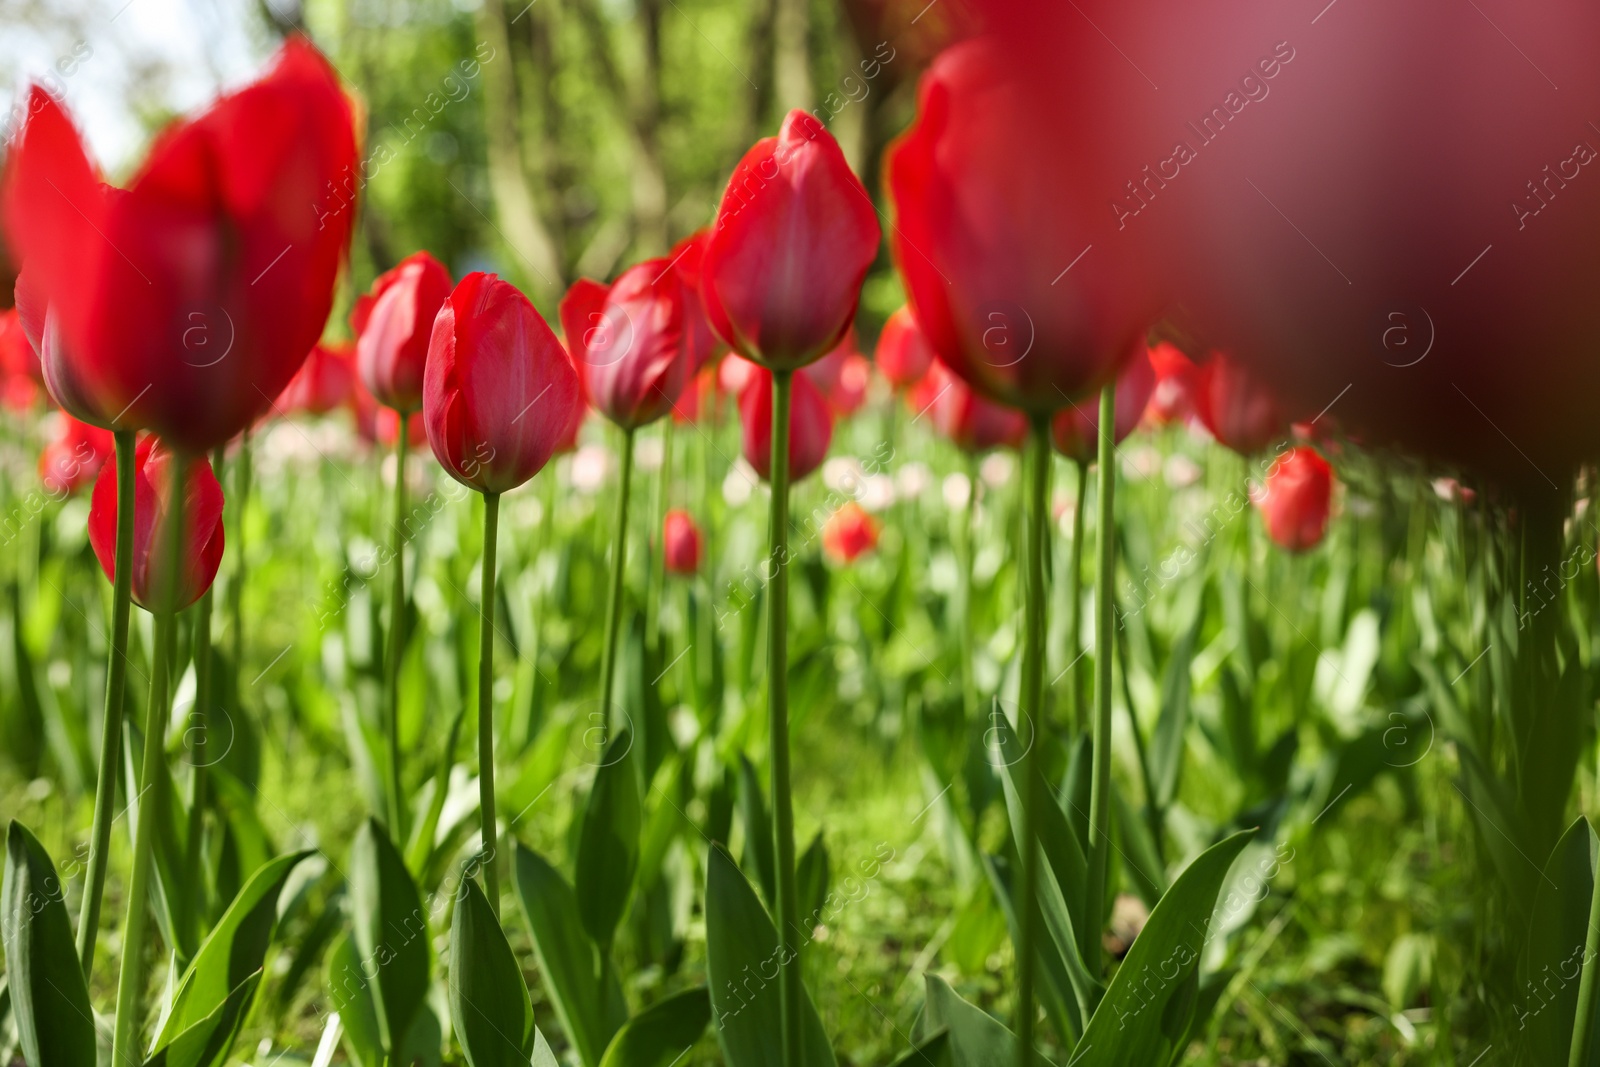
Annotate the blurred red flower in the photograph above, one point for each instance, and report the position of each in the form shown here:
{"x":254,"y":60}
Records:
{"x":1172,"y":400}
{"x":1076,"y":428}
{"x":74,"y":456}
{"x":903,"y":353}
{"x":156,"y":466}
{"x":849,"y":532}
{"x":1238,"y":408}
{"x":185,"y":302}
{"x":701,"y":342}
{"x":1296,"y":498}
{"x":325,"y":381}
{"x":810,"y":425}
{"x":680,"y":539}
{"x":627,"y":342}
{"x":974,"y":423}
{"x":842,"y":375}
{"x":795,"y":233}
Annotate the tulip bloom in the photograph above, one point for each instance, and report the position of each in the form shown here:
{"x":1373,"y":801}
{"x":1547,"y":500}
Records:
{"x":324,"y":382}
{"x":1076,"y":429}
{"x":1176,"y":379}
{"x":18,"y":363}
{"x":734,"y":373}
{"x":73,"y":458}
{"x":627,"y":341}
{"x":903,"y":354}
{"x":156,"y":466}
{"x":810,"y":425}
{"x":984,"y":236}
{"x":849,"y":532}
{"x":974,"y":423}
{"x":842,"y":375}
{"x":1239,"y":410}
{"x":187,"y":301}
{"x":1296,"y":497}
{"x":394,"y":324}
{"x":795,"y":234}
{"x":681,"y":544}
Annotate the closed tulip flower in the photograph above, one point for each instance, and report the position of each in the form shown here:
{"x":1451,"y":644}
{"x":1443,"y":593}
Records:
{"x":627,"y":341}
{"x":1172,"y":400}
{"x":394,"y":323}
{"x":156,"y":466}
{"x":699,"y":339}
{"x":1241,"y":412}
{"x":185,"y":302}
{"x":500,"y":394}
{"x":680,"y":540}
{"x":74,"y":456}
{"x":904,"y":354}
{"x":849,"y":533}
{"x":974,"y":423}
{"x":795,"y":233}
{"x":1296,"y":498}
{"x":1076,"y":429}
{"x":985,"y":236}
{"x":323,"y":383}
{"x":810,"y":425}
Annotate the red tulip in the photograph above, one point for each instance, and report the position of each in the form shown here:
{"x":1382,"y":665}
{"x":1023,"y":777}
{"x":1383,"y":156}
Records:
{"x":842,"y":375}
{"x":73,"y":457}
{"x":781,"y":273}
{"x":1076,"y":429}
{"x":849,"y":532}
{"x":904,"y":354}
{"x":499,"y":395}
{"x":699,"y":339}
{"x":1295,"y":499}
{"x":974,"y":423}
{"x":1238,"y":409}
{"x":734,"y":373}
{"x":1176,"y":378}
{"x":16,"y":351}
{"x":680,"y":539}
{"x":156,"y":466}
{"x":698,"y":396}
{"x":324,"y":381}
{"x":627,"y":341}
{"x":393,"y":325}
{"x":988,"y":238}
{"x":810,"y":425}
{"x":185,"y":302}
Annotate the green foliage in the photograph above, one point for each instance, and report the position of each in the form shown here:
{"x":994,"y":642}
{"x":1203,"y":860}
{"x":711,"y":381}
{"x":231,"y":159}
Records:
{"x":49,"y":1001}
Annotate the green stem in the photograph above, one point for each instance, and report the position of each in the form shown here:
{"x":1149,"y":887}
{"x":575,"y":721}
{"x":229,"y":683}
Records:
{"x":491,"y":526}
{"x":130,"y":981}
{"x":1080,"y":706}
{"x":792,"y":995}
{"x":658,"y":559}
{"x":397,"y":626}
{"x":619,"y":559}
{"x":198,"y":731}
{"x":105,"y":794}
{"x":963,"y":546}
{"x":1100,"y":797}
{"x":1588,"y":988}
{"x":236,"y":543}
{"x":1031,"y":717}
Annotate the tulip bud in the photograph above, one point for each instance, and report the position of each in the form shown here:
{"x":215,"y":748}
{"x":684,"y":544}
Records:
{"x":73,"y":457}
{"x":973,"y":423}
{"x":155,"y":467}
{"x":1295,"y":500}
{"x":627,"y":342}
{"x":810,"y":425}
{"x":499,"y":395}
{"x":1076,"y":428}
{"x":904,"y":354}
{"x":680,"y":541}
{"x":324,"y":382}
{"x":849,"y":532}
{"x":795,"y":234}
{"x":842,"y":375}
{"x":394,"y":323}
{"x":1238,"y":409}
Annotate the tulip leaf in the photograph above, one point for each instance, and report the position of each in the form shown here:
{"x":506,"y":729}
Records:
{"x":1056,"y":992}
{"x":608,"y":843}
{"x":175,"y":908}
{"x":390,"y":931}
{"x":49,"y":999}
{"x":589,"y":1011}
{"x":1146,"y":1010}
{"x":489,"y":1005}
{"x":758,"y":841}
{"x":1166,"y":743}
{"x":811,"y":878}
{"x":743,"y":963}
{"x":207,"y":1041}
{"x":235,"y":949}
{"x":352,"y":996}
{"x":931,"y":1051}
{"x":1557,"y":939}
{"x":976,"y":1038}
{"x":662,"y":1033}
